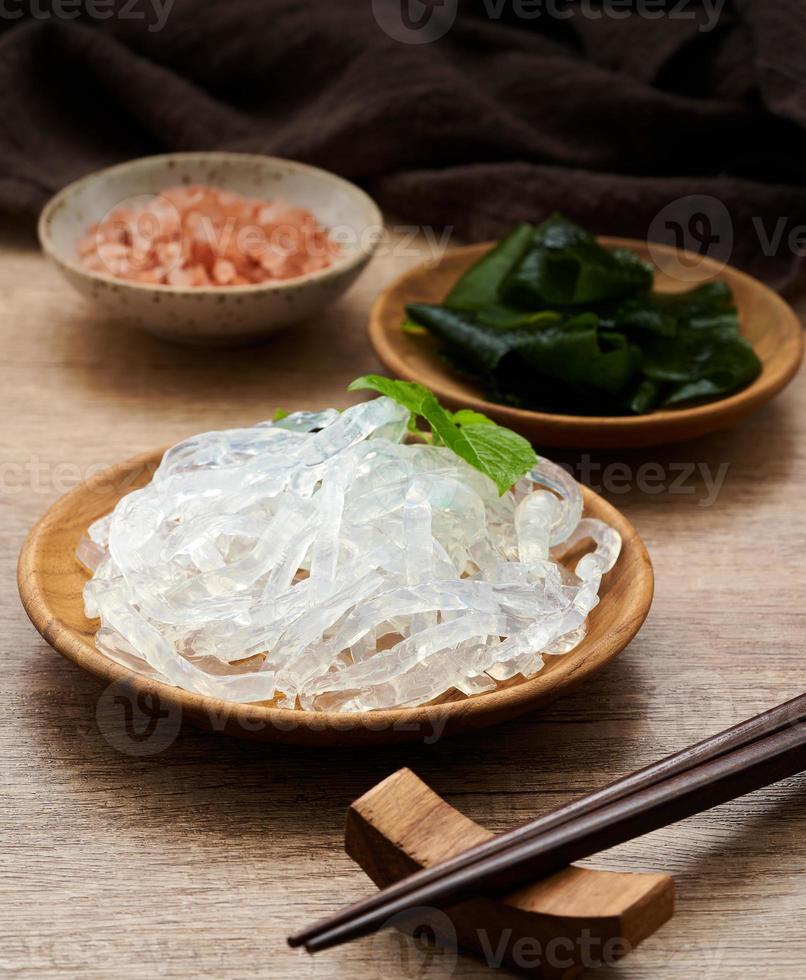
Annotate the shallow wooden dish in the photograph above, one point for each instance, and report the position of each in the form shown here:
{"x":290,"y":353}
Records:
{"x":767,"y":321}
{"x":51,"y":581}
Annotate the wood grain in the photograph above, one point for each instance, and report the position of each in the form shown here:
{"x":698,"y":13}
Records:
{"x":766,"y":321}
{"x":198,"y":860}
{"x":51,"y":582}
{"x":568,"y":922}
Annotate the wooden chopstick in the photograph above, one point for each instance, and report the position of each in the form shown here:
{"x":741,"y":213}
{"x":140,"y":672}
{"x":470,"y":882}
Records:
{"x":733,"y":774}
{"x":491,"y":859}
{"x":767,"y":760}
{"x":790,"y":713}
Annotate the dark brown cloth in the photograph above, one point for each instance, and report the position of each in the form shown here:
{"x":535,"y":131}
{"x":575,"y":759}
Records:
{"x":612,"y":119}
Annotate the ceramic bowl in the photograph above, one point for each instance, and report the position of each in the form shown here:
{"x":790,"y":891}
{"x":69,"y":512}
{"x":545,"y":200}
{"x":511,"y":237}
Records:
{"x":219,"y":315}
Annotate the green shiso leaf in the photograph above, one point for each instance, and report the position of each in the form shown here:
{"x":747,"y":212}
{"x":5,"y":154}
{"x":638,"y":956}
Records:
{"x":498,"y":453}
{"x":409,"y":394}
{"x":467,"y":416}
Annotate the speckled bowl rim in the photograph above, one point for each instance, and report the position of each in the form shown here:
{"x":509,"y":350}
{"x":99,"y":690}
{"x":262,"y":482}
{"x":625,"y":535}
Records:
{"x":362,"y":255}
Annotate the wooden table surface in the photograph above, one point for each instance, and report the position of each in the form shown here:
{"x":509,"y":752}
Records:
{"x":197,"y":860}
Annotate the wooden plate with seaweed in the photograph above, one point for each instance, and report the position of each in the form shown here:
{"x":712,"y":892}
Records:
{"x":766,"y":323}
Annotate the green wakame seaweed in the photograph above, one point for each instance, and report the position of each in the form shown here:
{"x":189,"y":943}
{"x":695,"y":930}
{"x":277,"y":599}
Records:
{"x":551,"y":320}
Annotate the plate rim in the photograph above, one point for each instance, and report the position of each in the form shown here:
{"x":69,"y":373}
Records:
{"x":759,"y":392}
{"x":385,"y":726}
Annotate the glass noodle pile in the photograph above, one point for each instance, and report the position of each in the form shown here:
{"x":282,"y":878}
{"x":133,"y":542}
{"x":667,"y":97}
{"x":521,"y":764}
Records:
{"x":318,"y":562}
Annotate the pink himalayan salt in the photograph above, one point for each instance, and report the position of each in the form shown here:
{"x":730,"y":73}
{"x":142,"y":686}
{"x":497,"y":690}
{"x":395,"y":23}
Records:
{"x":205,"y":236}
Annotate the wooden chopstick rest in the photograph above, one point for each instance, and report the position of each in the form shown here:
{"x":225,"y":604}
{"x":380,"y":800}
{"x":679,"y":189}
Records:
{"x":573,"y":920}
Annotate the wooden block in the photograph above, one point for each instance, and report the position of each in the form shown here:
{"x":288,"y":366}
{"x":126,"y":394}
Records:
{"x":555,"y":928}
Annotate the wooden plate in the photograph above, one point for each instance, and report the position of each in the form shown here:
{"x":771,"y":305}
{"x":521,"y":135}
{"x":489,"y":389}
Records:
{"x":768,"y":322}
{"x":51,"y":581}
